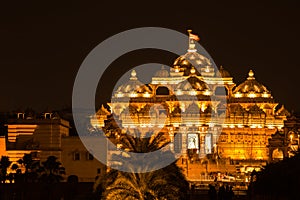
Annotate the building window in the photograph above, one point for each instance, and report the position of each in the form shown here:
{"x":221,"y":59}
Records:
{"x":221,"y":91}
{"x":223,"y":137}
{"x":76,"y":156}
{"x":98,"y":171}
{"x":47,"y":115}
{"x":89,"y":156}
{"x":20,"y":115}
{"x":161,"y":90}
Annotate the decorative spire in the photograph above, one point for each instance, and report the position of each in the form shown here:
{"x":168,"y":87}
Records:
{"x":133,"y":75}
{"x":251,"y":75}
{"x":192,"y":39}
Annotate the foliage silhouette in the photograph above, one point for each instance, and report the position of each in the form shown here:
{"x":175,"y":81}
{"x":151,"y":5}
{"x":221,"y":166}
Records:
{"x":51,"y":170}
{"x":280,"y":179}
{"x":32,"y":169}
{"x":4,"y":165}
{"x":165,"y":183}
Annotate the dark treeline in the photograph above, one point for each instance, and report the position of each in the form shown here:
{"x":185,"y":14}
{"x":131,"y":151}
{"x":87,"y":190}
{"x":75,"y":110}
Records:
{"x":278,"y":180}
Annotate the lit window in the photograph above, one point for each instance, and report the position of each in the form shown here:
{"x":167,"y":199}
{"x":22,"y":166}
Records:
{"x":178,"y":92}
{"x":133,"y":94}
{"x":119,"y":94}
{"x":146,"y":94}
{"x":252,"y":95}
{"x":265,"y":95}
{"x":238,"y":95}
{"x":47,"y":115}
{"x":193,"y":92}
{"x":20,"y":115}
{"x":206,"y":92}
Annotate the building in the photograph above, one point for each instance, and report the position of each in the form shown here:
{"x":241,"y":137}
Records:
{"x":80,"y":161}
{"x":213,"y":117}
{"x":44,"y":135}
{"x":214,"y":124}
{"x":41,"y":134}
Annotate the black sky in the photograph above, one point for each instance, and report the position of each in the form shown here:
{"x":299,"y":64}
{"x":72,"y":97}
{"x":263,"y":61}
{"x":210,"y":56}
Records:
{"x":43,"y":43}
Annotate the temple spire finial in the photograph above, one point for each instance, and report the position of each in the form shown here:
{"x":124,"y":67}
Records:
{"x":133,"y":75}
{"x":192,"y":39}
{"x":250,"y":75}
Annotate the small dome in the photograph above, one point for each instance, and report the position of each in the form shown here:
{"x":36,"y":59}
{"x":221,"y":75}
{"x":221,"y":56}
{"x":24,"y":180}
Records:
{"x":238,"y":109}
{"x":133,"y":87}
{"x":267,"y":106}
{"x":223,"y":73}
{"x":103,"y":111}
{"x":251,"y":88}
{"x":162,"y":73}
{"x":283,"y":111}
{"x":176,"y":110}
{"x":192,"y":109}
{"x":192,"y":86}
{"x":192,"y":83}
{"x":256,"y":110}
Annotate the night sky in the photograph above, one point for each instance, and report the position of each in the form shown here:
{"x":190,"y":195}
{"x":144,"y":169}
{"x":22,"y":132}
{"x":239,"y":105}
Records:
{"x":43,"y":44}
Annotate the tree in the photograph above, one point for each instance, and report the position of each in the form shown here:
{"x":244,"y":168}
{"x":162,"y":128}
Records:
{"x":150,"y":142}
{"x":280,"y":179}
{"x":12,"y":176}
{"x":27,"y":162}
{"x":4,"y":165}
{"x":72,"y":179}
{"x":165,"y":183}
{"x":32,"y":168}
{"x":51,"y":170}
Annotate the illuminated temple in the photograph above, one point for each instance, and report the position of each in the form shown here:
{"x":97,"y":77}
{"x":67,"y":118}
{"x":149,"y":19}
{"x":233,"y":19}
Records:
{"x":211,"y":115}
{"x":212,"y":124}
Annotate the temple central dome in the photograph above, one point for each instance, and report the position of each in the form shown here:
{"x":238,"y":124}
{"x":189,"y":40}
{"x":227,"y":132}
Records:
{"x":184,"y":63}
{"x":192,"y":59}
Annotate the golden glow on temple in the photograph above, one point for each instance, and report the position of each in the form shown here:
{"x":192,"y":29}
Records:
{"x":213,"y":124}
{"x":249,"y":112}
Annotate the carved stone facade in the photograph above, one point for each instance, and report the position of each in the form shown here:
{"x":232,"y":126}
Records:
{"x":203,"y":107}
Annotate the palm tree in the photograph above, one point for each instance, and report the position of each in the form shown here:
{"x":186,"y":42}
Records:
{"x":51,"y":170}
{"x":27,"y":161}
{"x":165,"y":183}
{"x":149,"y":143}
{"x":160,"y":184}
{"x":4,"y":165}
{"x":31,"y":168}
